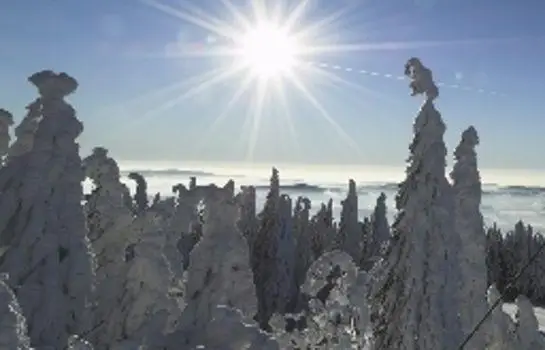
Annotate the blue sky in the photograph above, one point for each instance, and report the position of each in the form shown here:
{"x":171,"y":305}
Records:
{"x":116,"y":51}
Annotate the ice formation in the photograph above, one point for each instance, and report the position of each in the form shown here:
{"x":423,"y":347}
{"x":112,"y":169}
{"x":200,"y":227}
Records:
{"x":49,"y":258}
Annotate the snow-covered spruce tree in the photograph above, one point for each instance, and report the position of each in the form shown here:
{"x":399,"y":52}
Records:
{"x":494,"y":243}
{"x":49,"y":259}
{"x":141,"y":195}
{"x":247,"y":224}
{"x":13,"y":329}
{"x":527,"y":327}
{"x":219,"y":273}
{"x":108,"y":218}
{"x":285,"y":255}
{"x":304,"y":256}
{"x":24,"y":132}
{"x":414,"y":297}
{"x":350,"y":233}
{"x":469,"y":226}
{"x":264,"y":253}
{"x":323,"y":230}
{"x":6,"y":120}
{"x":379,"y":229}
{"x":500,"y":327}
{"x":145,"y":310}
{"x":184,"y":220}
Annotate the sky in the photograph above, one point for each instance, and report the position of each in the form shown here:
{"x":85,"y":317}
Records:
{"x":488,"y":53}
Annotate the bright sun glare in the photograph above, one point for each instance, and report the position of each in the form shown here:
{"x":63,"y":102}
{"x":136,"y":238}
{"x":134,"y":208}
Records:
{"x":268,"y":50}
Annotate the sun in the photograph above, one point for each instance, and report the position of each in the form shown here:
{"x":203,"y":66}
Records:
{"x":268,"y":50}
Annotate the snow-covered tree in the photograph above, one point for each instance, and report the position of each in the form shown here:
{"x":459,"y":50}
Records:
{"x":6,"y":120}
{"x":500,"y":327}
{"x":338,"y":314}
{"x":219,"y":273}
{"x":350,"y":234}
{"x":13,"y":328}
{"x":379,"y":234}
{"x":264,"y":253}
{"x":24,"y":132}
{"x":413,"y":299}
{"x":285,"y":256}
{"x":146,"y":309}
{"x":141,"y":195}
{"x":49,"y":259}
{"x":469,"y":226}
{"x":527,"y":327}
{"x":494,"y":243}
{"x":108,"y":219}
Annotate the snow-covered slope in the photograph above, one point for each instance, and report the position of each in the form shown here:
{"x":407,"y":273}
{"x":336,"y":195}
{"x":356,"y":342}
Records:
{"x":511,"y":309}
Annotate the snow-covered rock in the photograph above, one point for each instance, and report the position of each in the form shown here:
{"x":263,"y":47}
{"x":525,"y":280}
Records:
{"x":49,"y":259}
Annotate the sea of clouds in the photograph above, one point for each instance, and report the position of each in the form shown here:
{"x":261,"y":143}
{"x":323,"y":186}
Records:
{"x":503,"y":204}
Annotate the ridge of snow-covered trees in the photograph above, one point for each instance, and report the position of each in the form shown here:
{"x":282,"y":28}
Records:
{"x":204,"y":268}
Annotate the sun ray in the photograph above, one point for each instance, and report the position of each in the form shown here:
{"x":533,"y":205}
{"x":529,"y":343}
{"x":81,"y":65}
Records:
{"x":216,"y":78}
{"x":295,"y":15}
{"x":287,"y":116}
{"x":323,"y":112}
{"x":237,"y":14}
{"x":226,"y":32}
{"x":317,"y":26}
{"x":225,"y":112}
{"x":259,"y":9}
{"x":256,"y":120}
{"x":393,"y":45}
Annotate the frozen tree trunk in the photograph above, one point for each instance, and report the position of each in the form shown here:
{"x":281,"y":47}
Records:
{"x":415,"y":296}
{"x":470,"y":227}
{"x":350,"y":232}
{"x":49,"y":260}
{"x":219,"y":274}
{"x":13,"y":329}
